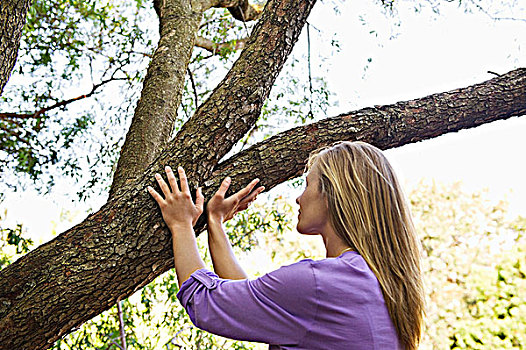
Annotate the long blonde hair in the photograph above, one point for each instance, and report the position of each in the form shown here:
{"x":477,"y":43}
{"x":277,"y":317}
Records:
{"x":369,"y":212}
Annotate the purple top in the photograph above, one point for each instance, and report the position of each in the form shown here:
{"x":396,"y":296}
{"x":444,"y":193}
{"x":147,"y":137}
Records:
{"x":334,"y":303}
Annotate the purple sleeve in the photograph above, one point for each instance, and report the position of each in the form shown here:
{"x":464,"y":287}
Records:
{"x":276,"y":308}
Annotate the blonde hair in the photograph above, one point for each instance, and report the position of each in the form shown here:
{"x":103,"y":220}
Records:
{"x":369,"y":212}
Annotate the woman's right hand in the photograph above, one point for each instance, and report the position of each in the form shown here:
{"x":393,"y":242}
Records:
{"x":223,"y":209}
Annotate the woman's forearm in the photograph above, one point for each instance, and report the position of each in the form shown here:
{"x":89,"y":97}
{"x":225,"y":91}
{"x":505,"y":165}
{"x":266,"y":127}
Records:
{"x":223,"y":258}
{"x":186,"y":254}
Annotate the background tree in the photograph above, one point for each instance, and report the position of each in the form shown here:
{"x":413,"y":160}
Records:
{"x":125,"y":232}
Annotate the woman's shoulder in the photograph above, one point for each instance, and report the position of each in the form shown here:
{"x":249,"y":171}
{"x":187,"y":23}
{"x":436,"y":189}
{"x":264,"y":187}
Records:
{"x":298,"y":273}
{"x":345,"y":268}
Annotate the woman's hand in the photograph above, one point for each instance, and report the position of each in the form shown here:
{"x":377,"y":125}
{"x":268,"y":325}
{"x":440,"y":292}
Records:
{"x":177,"y":207}
{"x":223,"y":209}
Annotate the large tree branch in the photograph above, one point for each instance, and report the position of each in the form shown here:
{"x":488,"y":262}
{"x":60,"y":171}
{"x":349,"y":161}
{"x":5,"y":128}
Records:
{"x":125,"y":245}
{"x":283,"y":156}
{"x":156,"y":112}
{"x":235,"y":104}
{"x":12,"y":19}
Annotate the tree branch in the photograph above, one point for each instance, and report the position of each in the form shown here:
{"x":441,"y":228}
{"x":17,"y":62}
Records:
{"x":283,"y":156}
{"x":216,"y":48}
{"x":156,"y":112}
{"x":12,"y":19}
{"x":235,"y":105}
{"x":14,"y":115}
{"x":241,"y":10}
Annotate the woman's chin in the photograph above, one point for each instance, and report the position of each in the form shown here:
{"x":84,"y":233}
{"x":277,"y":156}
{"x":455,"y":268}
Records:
{"x":305,"y":232}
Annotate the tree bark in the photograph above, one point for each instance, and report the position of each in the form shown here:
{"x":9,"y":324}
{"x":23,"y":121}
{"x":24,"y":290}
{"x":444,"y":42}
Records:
{"x":233,"y":107}
{"x":283,"y":156}
{"x":235,"y":104}
{"x":156,"y":112}
{"x":125,"y":245}
{"x":12,"y":19}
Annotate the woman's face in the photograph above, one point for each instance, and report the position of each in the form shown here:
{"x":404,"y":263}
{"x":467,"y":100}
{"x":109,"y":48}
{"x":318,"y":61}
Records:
{"x":313,"y":213}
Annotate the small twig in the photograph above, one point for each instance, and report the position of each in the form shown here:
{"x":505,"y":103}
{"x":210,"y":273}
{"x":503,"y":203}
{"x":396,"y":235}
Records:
{"x":311,"y":114}
{"x":193,"y":87}
{"x":58,"y":104}
{"x":121,"y":325}
{"x":244,"y":20}
{"x":497,"y":74}
{"x":215,"y":48}
{"x":496,"y":18}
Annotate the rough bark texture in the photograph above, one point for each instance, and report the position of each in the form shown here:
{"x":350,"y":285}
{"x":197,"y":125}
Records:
{"x":156,"y":111}
{"x":12,"y":19}
{"x":283,"y":156}
{"x":234,"y":106}
{"x":125,"y":245}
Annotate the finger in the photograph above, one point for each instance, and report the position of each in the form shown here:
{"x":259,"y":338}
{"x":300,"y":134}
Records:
{"x":224,"y":186}
{"x":199,"y":199}
{"x":183,"y":180}
{"x":245,"y":191}
{"x":251,"y":197}
{"x":171,"y":179}
{"x":155,"y":195}
{"x":163,"y":185}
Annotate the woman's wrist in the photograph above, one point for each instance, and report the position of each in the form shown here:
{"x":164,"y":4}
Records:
{"x":215,"y":219}
{"x":181,"y":227}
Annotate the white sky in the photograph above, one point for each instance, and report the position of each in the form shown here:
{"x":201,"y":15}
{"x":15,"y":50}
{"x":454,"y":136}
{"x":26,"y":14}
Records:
{"x":430,"y":54}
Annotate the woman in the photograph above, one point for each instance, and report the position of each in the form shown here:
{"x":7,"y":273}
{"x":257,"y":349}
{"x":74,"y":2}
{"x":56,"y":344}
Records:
{"x":367,"y":293}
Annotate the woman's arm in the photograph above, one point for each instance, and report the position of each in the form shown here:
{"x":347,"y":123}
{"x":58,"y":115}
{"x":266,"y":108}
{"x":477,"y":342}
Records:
{"x":180,"y":214}
{"x":277,"y":308}
{"x":220,"y":210}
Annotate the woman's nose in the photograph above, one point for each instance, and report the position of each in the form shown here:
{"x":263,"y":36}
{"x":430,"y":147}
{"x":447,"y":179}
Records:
{"x":298,"y":200}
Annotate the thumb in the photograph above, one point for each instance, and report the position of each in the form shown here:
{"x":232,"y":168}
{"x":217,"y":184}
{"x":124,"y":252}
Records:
{"x":199,"y":199}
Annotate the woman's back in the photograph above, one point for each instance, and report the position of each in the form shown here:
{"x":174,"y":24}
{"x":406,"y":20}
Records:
{"x":333,"y":303}
{"x":351,"y":309}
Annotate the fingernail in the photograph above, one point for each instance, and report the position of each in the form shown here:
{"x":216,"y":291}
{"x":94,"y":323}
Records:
{"x":157,"y":176}
{"x":228,"y":179}
{"x":167,"y":168}
{"x":180,"y":168}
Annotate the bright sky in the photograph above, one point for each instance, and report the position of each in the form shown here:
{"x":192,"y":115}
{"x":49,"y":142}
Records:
{"x":430,"y":54}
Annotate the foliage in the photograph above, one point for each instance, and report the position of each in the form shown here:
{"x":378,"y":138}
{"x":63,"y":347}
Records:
{"x":89,"y":50}
{"x":13,"y":242}
{"x":474,"y":264}
{"x":73,"y":51}
{"x":79,"y":75}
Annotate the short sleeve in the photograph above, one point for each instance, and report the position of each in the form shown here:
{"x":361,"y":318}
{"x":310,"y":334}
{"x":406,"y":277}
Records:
{"x":277,"y":308}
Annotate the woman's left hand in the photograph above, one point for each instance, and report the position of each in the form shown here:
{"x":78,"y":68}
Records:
{"x":223,"y":209}
{"x":177,"y":207}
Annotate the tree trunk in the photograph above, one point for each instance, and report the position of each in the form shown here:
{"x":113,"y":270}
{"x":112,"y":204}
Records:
{"x":125,"y":245}
{"x":12,"y":19}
